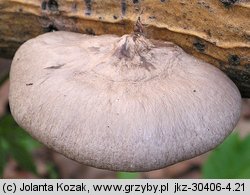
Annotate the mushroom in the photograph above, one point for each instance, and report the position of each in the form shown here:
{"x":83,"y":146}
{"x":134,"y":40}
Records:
{"x":120,"y":103}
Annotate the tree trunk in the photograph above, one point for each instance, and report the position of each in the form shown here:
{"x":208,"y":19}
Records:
{"x":217,"y":31}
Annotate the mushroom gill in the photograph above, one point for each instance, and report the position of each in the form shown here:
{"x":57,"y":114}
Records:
{"x":120,"y":103}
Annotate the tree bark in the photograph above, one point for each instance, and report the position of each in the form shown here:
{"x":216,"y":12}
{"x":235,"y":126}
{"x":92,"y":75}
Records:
{"x":217,"y":31}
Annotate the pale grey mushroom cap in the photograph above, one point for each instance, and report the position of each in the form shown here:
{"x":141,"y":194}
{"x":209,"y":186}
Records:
{"x":120,"y":103}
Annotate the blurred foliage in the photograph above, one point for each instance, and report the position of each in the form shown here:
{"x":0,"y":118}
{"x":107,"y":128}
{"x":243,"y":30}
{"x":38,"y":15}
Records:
{"x":15,"y":143}
{"x":231,"y":160}
{"x":3,"y":79}
{"x":52,"y":171}
{"x":126,"y":175}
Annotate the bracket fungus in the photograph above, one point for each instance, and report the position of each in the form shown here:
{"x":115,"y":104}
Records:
{"x":120,"y":103}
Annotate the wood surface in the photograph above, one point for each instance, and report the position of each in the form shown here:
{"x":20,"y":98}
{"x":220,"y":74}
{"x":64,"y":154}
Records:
{"x":216,"y":31}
